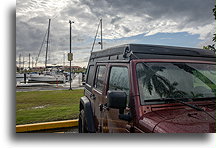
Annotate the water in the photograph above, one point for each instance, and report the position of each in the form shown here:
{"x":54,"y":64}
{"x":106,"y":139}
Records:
{"x":19,"y":80}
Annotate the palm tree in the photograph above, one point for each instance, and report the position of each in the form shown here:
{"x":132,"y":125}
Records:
{"x":163,"y":87}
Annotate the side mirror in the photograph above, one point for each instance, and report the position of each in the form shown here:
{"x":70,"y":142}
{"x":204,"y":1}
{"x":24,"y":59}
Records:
{"x":117,"y":99}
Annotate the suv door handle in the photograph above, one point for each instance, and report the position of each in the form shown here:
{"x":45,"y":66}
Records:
{"x":92,"y":96}
{"x":103,"y":107}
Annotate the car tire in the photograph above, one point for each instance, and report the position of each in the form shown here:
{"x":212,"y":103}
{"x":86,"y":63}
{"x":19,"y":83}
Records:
{"x":82,"y":122}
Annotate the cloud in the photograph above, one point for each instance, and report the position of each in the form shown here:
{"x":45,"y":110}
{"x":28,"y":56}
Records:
{"x":151,"y":17}
{"x":121,"y":19}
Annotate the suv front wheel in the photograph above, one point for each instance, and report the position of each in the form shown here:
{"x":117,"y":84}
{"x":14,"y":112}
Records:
{"x":82,"y":122}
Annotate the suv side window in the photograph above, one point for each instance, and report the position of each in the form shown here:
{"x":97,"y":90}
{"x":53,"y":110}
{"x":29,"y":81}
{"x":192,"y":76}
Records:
{"x":90,"y":76}
{"x":119,"y":79}
{"x":100,"y":76}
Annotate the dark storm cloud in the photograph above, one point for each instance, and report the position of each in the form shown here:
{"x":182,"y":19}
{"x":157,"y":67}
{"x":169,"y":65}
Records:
{"x":115,"y":20}
{"x":39,"y":20}
{"x":27,"y":37}
{"x":197,"y":12}
{"x":126,"y":30}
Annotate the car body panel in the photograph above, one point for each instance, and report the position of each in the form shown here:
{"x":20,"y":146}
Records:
{"x":158,"y":118}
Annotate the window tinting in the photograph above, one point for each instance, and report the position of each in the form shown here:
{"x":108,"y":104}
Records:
{"x":90,"y":75}
{"x":101,"y":71}
{"x":119,"y":79}
{"x":188,"y":81}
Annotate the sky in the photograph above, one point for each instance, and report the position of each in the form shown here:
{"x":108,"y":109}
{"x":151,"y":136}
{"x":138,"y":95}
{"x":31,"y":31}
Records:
{"x":186,"y":23}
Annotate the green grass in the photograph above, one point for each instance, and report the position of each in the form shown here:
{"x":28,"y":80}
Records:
{"x":45,"y":106}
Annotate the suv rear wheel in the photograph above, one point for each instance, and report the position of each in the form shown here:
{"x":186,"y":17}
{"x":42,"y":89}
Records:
{"x":82,"y":122}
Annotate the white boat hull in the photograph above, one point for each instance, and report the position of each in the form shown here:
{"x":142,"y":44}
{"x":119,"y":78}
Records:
{"x":21,"y":75}
{"x":36,"y":78}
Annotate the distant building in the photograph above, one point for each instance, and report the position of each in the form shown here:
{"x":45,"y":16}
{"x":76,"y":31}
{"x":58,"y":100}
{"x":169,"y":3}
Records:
{"x":74,"y":68}
{"x":64,"y":68}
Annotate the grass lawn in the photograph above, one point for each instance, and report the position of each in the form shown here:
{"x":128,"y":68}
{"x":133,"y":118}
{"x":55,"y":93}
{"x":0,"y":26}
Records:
{"x":45,"y":106}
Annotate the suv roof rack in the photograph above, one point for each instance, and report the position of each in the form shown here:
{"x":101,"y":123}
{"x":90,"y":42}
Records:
{"x":141,"y":51}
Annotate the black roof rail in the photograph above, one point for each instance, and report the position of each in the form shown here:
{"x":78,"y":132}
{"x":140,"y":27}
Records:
{"x":134,"y":51}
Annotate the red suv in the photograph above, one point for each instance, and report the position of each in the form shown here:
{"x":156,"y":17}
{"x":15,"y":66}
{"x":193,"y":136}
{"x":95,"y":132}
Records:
{"x":139,"y":88}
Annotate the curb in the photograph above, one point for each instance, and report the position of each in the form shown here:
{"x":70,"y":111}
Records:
{"x":46,"y":125}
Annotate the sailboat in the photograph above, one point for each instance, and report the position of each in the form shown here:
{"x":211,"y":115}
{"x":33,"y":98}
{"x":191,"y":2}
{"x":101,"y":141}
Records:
{"x":51,"y":77}
{"x":48,"y":75}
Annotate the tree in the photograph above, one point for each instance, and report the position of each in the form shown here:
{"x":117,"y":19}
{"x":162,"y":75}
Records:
{"x":162,"y":86}
{"x":212,"y":47}
{"x":214,"y":11}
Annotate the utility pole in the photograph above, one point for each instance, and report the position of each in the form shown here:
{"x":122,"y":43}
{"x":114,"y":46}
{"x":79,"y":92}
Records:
{"x":70,"y":54}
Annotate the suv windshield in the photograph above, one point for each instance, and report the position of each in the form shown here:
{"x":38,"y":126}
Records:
{"x":188,"y":81}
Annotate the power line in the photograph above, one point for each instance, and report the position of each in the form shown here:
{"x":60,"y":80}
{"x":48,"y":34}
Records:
{"x":95,"y":36}
{"x":41,"y":48}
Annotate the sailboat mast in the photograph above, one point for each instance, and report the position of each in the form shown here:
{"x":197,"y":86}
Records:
{"x":101,"y":34}
{"x":20,"y":61}
{"x":47,"y":43}
{"x":29,"y":61}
